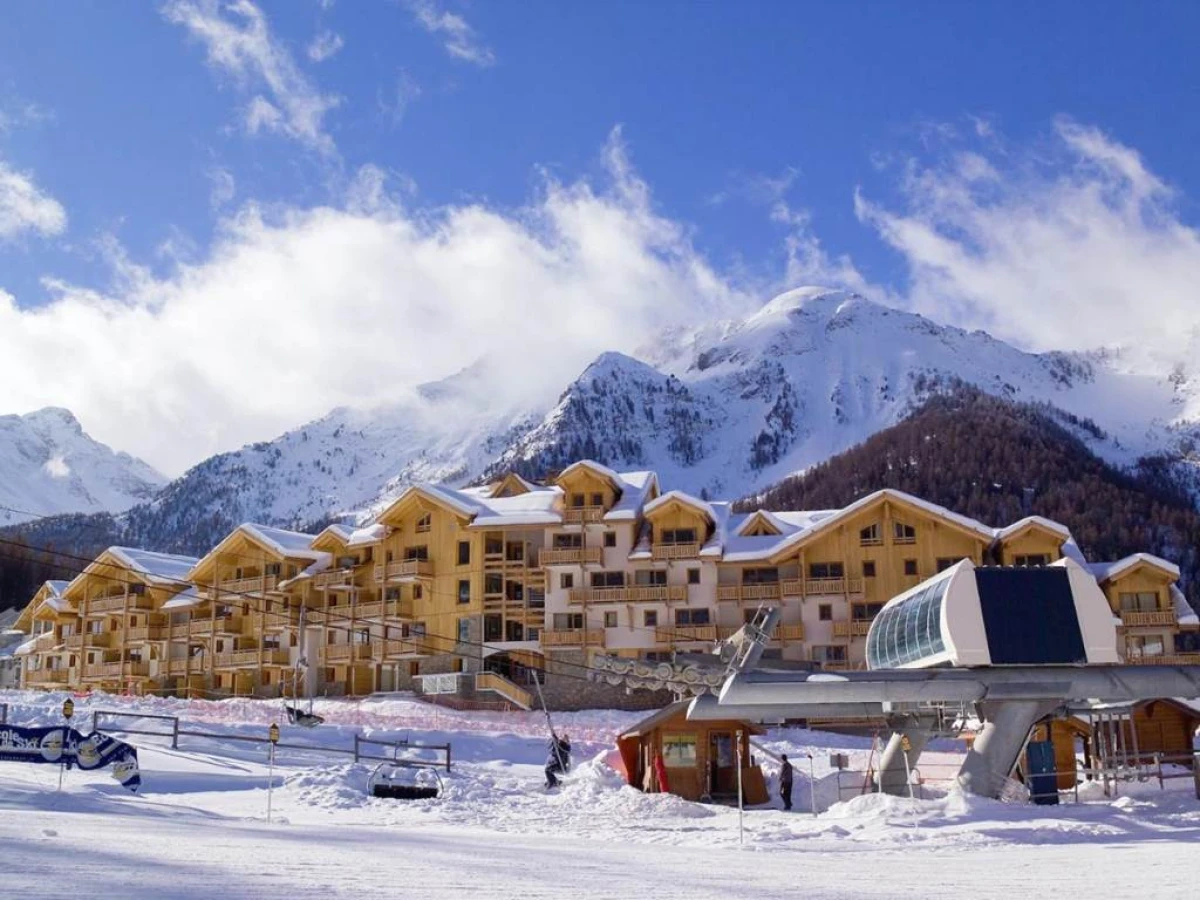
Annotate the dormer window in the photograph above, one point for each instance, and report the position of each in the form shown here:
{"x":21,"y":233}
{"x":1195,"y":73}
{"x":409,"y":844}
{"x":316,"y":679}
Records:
{"x":597,"y":499}
{"x":677,"y":536}
{"x":424,"y":523}
{"x":870,"y":536}
{"x":577,"y":501}
{"x":903,"y":534}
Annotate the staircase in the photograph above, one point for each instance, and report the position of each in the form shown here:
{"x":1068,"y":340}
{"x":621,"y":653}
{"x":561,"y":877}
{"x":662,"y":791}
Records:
{"x":510,"y":691}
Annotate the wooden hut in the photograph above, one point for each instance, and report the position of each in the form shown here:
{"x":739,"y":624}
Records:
{"x":699,"y":758}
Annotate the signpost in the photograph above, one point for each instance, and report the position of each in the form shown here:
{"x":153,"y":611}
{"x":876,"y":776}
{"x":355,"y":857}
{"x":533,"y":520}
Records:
{"x":741,"y":827}
{"x":68,"y":710}
{"x":273,"y":737}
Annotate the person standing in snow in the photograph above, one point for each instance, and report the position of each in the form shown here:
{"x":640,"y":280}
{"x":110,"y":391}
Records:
{"x":559,"y":760}
{"x":785,"y":782}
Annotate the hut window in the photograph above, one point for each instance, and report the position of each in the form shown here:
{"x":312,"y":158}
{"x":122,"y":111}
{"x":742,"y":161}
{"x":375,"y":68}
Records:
{"x":272,"y":569}
{"x":869,"y":536}
{"x":420,"y":551}
{"x":869,"y":568}
{"x":910,"y":567}
{"x":610,"y":539}
{"x":610,"y":619}
{"x":577,"y":501}
{"x":679,"y":750}
{"x":464,"y":553}
{"x":568,"y":541}
{"x":464,"y":591}
{"x":945,"y":562}
{"x":1142,"y":601}
{"x":677,"y":536}
{"x":826,"y":570}
{"x":608,"y":579}
{"x":1031,"y":559}
{"x":566,"y":581}
{"x":597,"y":499}
{"x":424,"y":523}
{"x":691,"y":617}
{"x":903,"y":534}
{"x":825,"y":612}
{"x":760,"y":576}
{"x":650,"y":576}
{"x":693,"y":576}
{"x":650,"y":618}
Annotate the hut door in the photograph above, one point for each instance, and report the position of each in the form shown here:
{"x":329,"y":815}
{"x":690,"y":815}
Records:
{"x":722,"y":763}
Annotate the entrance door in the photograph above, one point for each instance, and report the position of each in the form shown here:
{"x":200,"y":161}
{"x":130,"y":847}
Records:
{"x":722,"y":763}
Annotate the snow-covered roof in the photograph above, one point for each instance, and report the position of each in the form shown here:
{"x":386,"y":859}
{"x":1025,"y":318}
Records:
{"x":599,"y":468}
{"x":282,"y":541}
{"x":319,"y":565}
{"x":164,"y":568}
{"x":1035,"y":521}
{"x":537,"y":507}
{"x":184,"y":599}
{"x":1105,"y":571}
{"x":26,"y":647}
{"x":686,"y":499}
{"x":368,"y":534}
{"x":1183,"y":610}
{"x":55,"y":588}
{"x":635,"y":488}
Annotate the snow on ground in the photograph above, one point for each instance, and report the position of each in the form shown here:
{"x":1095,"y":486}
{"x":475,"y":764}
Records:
{"x":198,"y":825}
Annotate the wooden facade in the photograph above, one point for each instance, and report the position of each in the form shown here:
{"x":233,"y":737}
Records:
{"x":468,"y":589}
{"x":700,"y":758}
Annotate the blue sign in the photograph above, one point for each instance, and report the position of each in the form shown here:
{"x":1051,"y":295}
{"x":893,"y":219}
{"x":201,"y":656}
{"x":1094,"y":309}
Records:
{"x":69,"y":747}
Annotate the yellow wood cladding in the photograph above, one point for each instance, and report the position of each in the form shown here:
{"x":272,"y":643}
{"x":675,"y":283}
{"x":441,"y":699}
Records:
{"x":432,"y":582}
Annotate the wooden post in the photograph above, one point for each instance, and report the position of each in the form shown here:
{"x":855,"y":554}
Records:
{"x":741,"y":824}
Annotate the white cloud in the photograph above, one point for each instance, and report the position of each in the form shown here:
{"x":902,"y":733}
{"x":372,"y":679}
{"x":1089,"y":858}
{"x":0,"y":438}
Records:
{"x":294,"y":312}
{"x":393,"y":106}
{"x":325,"y":45}
{"x":459,"y":39}
{"x":224,"y":187}
{"x":1074,"y":246}
{"x":239,"y":43}
{"x":25,"y":207}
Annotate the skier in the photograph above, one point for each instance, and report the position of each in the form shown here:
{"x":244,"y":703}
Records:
{"x":785,"y":782}
{"x":559,"y":760}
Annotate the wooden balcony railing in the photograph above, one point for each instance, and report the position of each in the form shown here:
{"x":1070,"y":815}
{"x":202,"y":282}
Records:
{"x":817,"y":587}
{"x":274,"y":621}
{"x":836,"y":665}
{"x":391,"y":649}
{"x":242,"y":659}
{"x":345,"y":652}
{"x":578,"y":515}
{"x":654,"y":593}
{"x":48,"y":676}
{"x":851,"y":627}
{"x":573,"y":637}
{"x":406,"y":568}
{"x":675,"y":551}
{"x":680,"y":633}
{"x":46,"y":642}
{"x":1165,"y":659}
{"x":739,"y":592}
{"x":219,"y":625}
{"x":334,"y":579}
{"x":117,"y":670}
{"x":1142,"y":619}
{"x":257,"y":584}
{"x":793,"y":632}
{"x":146,"y":633}
{"x":100,"y":605}
{"x":565,"y":556}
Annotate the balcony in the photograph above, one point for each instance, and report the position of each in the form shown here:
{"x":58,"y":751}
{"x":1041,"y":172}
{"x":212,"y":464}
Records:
{"x":100,"y":605}
{"x":675,"y":551}
{"x":180,"y":666}
{"x":220,"y":625}
{"x":46,"y":642}
{"x":741,"y":592}
{"x":822,"y":587}
{"x":680,"y":633}
{"x":338,"y":578}
{"x":573,"y":637}
{"x":1166,"y":659}
{"x":146,"y":633}
{"x":49,"y":676}
{"x":836,"y":665}
{"x":257,"y":584}
{"x":1143,"y":619}
{"x":117,"y":670}
{"x":793,"y":632}
{"x":278,"y":621}
{"x":406,"y":569}
{"x":343,"y":653}
{"x":846,"y":628}
{"x":250,"y":659}
{"x":655,"y":593}
{"x":395,"y":649}
{"x":566,"y":556}
{"x":89,"y":639}
{"x":582,"y":515}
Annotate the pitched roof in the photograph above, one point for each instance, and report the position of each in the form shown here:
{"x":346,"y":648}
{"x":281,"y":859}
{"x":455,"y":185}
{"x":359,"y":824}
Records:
{"x":1105,"y":571}
{"x":696,"y":503}
{"x":164,"y":568}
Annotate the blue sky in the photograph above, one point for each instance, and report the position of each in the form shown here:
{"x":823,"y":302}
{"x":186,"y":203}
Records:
{"x":976,"y":162}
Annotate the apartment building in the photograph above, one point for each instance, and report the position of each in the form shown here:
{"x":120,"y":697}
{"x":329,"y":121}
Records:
{"x":501,"y":591}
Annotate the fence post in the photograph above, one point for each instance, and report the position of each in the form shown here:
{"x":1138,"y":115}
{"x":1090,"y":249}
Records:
{"x":447,"y":757}
{"x":4,"y":714}
{"x":175,"y":733}
{"x":95,"y":714}
{"x":356,"y":748}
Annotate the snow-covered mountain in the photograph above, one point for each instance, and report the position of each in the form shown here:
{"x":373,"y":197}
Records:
{"x":48,"y":465}
{"x":727,"y":408}
{"x":724,"y":408}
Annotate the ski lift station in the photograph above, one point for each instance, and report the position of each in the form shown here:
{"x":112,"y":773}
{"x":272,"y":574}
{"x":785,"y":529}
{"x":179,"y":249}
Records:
{"x":1009,"y":647}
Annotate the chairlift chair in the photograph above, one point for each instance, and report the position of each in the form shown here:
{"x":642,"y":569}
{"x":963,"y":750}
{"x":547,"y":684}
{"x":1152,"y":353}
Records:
{"x":402,"y":780}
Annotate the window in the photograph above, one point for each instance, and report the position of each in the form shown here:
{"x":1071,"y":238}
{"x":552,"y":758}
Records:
{"x":870,"y":536}
{"x":825,"y":612}
{"x":514,"y":551}
{"x":464,"y":590}
{"x":514,"y":631}
{"x":945,"y":562}
{"x":646,"y":577}
{"x":577,"y":500}
{"x":424,"y":523}
{"x":1031,"y":559}
{"x":1142,"y":601}
{"x":677,"y":536}
{"x":421,"y":552}
{"x":493,"y":627}
{"x":568,"y":541}
{"x":679,"y":750}
{"x":456,"y":664}
{"x":417,"y":592}
{"x":868,"y":568}
{"x":864,"y":612}
{"x":910,"y":567}
{"x":597,"y":499}
{"x":493,"y":545}
{"x":693,"y":576}
{"x":1148,"y":645}
{"x":749,"y":615}
{"x":608,"y":579}
{"x":568,"y":621}
{"x":414,"y":668}
{"x":903,"y":534}
{"x":826,"y":570}
{"x":610,"y":539}
{"x":464,"y":631}
{"x":610,"y":619}
{"x":760,"y":576}
{"x":273,"y":568}
{"x":829,"y":654}
{"x":691,"y":617}
{"x":464,"y":553}
{"x":566,"y":581}
{"x":650,"y":618}
{"x":493,"y":583}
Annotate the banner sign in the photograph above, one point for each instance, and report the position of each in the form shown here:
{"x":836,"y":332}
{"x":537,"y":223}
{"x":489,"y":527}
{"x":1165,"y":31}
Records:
{"x":69,"y":747}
